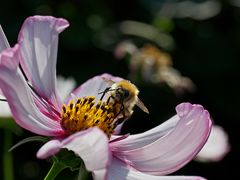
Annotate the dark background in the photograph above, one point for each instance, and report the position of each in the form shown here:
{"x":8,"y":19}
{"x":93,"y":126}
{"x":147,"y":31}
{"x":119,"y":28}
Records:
{"x":207,"y":50}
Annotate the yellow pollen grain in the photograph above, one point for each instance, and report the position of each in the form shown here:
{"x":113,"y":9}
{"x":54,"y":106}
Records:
{"x":86,"y":113}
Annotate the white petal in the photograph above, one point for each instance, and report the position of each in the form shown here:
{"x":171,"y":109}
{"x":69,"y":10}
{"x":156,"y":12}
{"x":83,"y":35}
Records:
{"x":100,"y":174}
{"x":20,"y":100}
{"x":50,"y":148}
{"x":119,"y":171}
{"x":65,"y":86}
{"x":3,"y":40}
{"x":4,"y":108}
{"x":38,"y":41}
{"x":91,"y":145}
{"x":217,"y":146}
{"x":165,"y":154}
{"x":148,"y":137}
{"x":93,"y":87}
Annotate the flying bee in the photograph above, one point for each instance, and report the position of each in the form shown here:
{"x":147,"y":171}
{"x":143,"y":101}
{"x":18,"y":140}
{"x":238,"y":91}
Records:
{"x":125,"y":94}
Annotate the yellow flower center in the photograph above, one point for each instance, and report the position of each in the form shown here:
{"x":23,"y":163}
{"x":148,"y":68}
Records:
{"x":86,"y":113}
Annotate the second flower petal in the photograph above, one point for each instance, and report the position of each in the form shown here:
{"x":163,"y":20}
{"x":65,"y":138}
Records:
{"x":118,"y":171}
{"x":172,"y":150}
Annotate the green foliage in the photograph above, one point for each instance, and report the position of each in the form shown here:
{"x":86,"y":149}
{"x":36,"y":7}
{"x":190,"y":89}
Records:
{"x":30,"y":139}
{"x":10,"y":124}
{"x":68,"y":159}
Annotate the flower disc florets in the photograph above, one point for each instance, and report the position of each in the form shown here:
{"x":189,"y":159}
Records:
{"x":86,"y":113}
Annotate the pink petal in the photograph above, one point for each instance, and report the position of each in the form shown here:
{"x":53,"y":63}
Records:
{"x":38,"y":41}
{"x":139,"y":140}
{"x":19,"y":97}
{"x":172,"y":148}
{"x":7,"y":56}
{"x":50,"y":148}
{"x":3,"y":40}
{"x":93,"y":87}
{"x":91,"y":145}
{"x":118,"y":171}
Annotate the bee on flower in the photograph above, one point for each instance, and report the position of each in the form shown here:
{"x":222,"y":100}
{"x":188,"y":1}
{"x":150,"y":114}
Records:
{"x":125,"y":95}
{"x":83,"y":122}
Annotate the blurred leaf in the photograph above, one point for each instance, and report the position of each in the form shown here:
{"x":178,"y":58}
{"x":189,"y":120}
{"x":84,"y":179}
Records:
{"x":68,"y":159}
{"x":30,"y":139}
{"x":163,"y":23}
{"x":9,"y":123}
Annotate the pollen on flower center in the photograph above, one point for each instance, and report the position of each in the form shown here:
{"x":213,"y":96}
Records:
{"x":86,"y":113}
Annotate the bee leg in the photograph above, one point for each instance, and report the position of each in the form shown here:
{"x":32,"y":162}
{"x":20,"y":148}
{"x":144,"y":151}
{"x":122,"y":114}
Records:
{"x":123,"y":114}
{"x":104,"y":92}
{"x":121,"y":110}
{"x":119,"y":121}
{"x":123,"y":118}
{"x":109,"y":98}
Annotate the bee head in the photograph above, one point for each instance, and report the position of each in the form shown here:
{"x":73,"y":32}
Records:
{"x":123,"y":93}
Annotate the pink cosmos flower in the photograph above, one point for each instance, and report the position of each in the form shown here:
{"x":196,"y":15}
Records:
{"x":37,"y":107}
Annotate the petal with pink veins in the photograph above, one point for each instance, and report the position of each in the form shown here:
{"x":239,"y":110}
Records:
{"x":175,"y":145}
{"x":19,"y":97}
{"x":91,"y":145}
{"x":118,"y":171}
{"x":139,"y":140}
{"x":38,"y":41}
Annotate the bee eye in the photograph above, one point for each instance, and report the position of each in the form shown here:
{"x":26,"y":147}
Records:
{"x":126,"y":93}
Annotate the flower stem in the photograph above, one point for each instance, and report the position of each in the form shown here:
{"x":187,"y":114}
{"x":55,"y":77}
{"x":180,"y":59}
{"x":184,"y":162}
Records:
{"x":54,"y":171}
{"x":7,"y":156}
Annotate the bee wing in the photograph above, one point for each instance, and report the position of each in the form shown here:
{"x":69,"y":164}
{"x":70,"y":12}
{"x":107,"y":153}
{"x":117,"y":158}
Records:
{"x":140,"y":104}
{"x":109,"y":81}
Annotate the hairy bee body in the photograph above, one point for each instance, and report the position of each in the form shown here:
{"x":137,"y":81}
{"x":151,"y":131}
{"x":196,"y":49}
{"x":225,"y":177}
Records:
{"x":125,"y":94}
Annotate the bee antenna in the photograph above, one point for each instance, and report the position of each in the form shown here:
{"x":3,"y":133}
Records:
{"x":3,"y":100}
{"x":102,"y":92}
{"x":108,"y":89}
{"x":105,"y":91}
